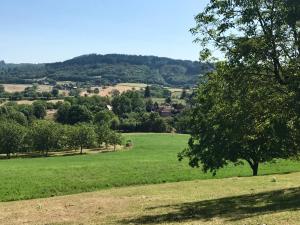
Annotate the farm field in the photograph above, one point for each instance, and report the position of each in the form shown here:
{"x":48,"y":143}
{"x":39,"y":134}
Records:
{"x":29,"y":102}
{"x":11,"y":88}
{"x":174,"y":100}
{"x":104,"y":91}
{"x":246,"y":200}
{"x":153,"y":159}
{"x":121,"y":87}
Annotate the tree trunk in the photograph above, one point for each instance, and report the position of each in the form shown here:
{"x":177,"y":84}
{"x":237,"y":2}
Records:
{"x":80,"y":150}
{"x":8,"y":155}
{"x":254,"y":167}
{"x":114,"y":147}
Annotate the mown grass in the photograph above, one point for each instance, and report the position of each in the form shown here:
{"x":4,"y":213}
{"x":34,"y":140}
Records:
{"x":246,"y":200}
{"x":153,"y":159}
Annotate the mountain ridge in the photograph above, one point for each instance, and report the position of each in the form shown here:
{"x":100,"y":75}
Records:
{"x":110,"y":69}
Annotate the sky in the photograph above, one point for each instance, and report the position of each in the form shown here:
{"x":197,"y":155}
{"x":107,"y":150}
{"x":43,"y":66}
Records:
{"x":40,"y":31}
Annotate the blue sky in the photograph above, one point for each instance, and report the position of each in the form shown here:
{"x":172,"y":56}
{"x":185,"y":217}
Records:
{"x":55,"y":30}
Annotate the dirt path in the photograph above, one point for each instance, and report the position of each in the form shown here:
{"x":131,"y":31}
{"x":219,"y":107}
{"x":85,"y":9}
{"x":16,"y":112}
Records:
{"x":255,"y":200}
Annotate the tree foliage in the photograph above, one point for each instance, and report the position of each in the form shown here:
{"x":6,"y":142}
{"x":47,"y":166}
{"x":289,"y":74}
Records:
{"x":12,"y":137}
{"x":45,"y":136}
{"x":249,"y":108}
{"x":253,"y":33}
{"x":39,"y":110}
{"x":241,"y":120}
{"x":82,"y":136}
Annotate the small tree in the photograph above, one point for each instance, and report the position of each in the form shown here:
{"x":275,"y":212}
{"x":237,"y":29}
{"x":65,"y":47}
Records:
{"x":115,"y":92}
{"x":82,"y":136}
{"x":149,"y":105}
{"x":55,"y":92}
{"x":62,"y":114}
{"x":114,"y":138}
{"x":89,"y":90}
{"x":11,"y":137}
{"x":2,"y":89}
{"x":183,"y":94}
{"x":168,"y":100}
{"x":39,"y":110}
{"x":45,"y":136}
{"x":155,"y":106}
{"x":102,"y":134}
{"x":147,"y":93}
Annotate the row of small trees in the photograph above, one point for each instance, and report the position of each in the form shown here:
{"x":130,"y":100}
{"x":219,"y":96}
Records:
{"x":44,"y":136}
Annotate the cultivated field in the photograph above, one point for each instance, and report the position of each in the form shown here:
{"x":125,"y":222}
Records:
{"x":28,"y":102}
{"x":174,"y":100}
{"x":104,"y":91}
{"x":247,"y":201}
{"x":121,"y":87}
{"x":12,"y":88}
{"x":153,"y":159}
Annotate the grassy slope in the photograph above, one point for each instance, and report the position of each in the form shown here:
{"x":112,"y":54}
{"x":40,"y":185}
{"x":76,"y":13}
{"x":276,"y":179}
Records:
{"x":152,"y":160}
{"x":247,"y":200}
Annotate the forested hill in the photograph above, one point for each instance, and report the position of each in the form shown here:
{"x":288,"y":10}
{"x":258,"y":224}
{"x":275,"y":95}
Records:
{"x":110,"y":69}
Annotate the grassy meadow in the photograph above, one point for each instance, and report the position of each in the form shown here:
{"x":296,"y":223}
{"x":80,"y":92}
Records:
{"x":234,"y":201}
{"x":153,"y":159}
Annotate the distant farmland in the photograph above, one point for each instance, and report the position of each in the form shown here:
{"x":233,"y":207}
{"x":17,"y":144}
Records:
{"x":12,"y":88}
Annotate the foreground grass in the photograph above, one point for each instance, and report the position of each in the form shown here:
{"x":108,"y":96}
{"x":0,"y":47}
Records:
{"x":153,"y":159}
{"x":247,"y":200}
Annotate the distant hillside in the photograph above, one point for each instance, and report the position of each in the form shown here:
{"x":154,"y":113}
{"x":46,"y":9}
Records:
{"x":109,"y":69}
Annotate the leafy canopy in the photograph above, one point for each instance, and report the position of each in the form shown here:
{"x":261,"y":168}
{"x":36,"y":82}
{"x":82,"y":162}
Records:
{"x":241,"y":120}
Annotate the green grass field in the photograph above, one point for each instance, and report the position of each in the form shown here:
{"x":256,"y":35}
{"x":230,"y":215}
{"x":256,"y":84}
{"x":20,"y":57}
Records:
{"x":153,"y":159}
{"x":231,"y":201}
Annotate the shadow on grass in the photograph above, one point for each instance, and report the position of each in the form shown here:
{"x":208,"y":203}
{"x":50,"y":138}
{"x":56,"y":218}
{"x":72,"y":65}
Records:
{"x":230,"y":208}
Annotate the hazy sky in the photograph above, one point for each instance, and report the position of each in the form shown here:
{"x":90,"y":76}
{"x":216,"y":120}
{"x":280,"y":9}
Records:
{"x":55,"y":30}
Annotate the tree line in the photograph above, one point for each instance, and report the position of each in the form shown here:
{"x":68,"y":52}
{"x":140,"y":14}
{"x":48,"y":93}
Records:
{"x":82,"y":122}
{"x":43,"y":136}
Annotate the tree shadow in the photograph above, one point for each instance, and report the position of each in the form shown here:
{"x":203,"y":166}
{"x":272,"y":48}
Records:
{"x":229,"y":208}
{"x":30,"y":155}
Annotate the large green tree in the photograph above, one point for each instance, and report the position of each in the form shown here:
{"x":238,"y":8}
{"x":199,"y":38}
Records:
{"x":244,"y":120}
{"x":249,"y":108}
